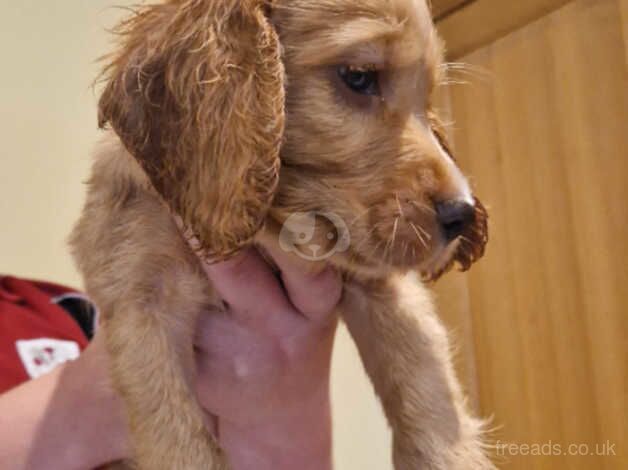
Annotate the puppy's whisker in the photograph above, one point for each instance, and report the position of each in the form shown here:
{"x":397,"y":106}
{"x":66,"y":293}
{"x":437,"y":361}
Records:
{"x":375,"y":248}
{"x":463,"y":74}
{"x":391,"y":241}
{"x":401,"y":213}
{"x":387,"y":248}
{"x":466,"y":68}
{"x":416,"y":231}
{"x":395,"y":227}
{"x":424,"y":232}
{"x":387,"y":253}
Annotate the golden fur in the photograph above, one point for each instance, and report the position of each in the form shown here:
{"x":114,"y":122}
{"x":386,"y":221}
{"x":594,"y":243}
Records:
{"x":232,"y":115}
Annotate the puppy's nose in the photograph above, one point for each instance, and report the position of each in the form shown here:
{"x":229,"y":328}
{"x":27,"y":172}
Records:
{"x":455,"y":217}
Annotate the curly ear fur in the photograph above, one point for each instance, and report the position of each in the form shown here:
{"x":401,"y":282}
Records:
{"x":196,"y":94}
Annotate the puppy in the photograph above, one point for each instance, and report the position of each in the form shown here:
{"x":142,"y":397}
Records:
{"x":240,"y":117}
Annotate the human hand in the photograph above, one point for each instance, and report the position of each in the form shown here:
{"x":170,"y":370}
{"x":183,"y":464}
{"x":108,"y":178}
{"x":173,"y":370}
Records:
{"x":263,"y":366}
{"x":263,"y":376}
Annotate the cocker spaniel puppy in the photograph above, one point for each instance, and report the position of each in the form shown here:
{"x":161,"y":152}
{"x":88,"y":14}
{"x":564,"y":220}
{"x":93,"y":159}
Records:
{"x":260,"y":122}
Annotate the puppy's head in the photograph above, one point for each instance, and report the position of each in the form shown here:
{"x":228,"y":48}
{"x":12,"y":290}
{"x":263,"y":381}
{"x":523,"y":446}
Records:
{"x":362,"y":140}
{"x":197,"y":94}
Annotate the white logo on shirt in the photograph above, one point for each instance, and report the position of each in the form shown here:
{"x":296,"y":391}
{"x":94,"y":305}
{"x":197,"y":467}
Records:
{"x":42,"y":355}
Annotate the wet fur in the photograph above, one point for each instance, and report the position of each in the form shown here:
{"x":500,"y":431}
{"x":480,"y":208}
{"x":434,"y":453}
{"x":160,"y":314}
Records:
{"x":228,"y":115}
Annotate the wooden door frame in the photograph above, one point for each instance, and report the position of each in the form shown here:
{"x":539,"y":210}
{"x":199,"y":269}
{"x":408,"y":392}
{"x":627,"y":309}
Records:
{"x":480,"y":22}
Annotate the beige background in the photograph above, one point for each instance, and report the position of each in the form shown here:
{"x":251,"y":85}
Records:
{"x":47,"y":130}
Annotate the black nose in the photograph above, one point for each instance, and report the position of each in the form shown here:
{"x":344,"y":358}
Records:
{"x":454,"y":217}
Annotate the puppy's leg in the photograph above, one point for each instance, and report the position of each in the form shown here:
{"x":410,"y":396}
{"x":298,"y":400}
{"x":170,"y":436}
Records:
{"x":151,"y":354}
{"x":150,"y":289}
{"x":405,"y":351}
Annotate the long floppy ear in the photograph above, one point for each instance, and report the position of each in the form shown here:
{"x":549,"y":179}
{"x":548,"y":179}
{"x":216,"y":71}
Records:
{"x":196,"y":94}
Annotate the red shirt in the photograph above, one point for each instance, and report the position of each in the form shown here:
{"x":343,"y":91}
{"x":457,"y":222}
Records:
{"x":38,"y":328}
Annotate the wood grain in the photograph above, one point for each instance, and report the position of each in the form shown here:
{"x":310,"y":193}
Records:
{"x":484,"y":21}
{"x":441,"y":8}
{"x":544,"y":133}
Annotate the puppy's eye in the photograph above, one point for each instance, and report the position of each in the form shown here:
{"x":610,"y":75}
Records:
{"x":364,"y":82}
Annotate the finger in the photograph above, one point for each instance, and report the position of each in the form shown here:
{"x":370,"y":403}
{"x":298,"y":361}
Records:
{"x":315,"y":293}
{"x":244,"y":282}
{"x":249,"y":287}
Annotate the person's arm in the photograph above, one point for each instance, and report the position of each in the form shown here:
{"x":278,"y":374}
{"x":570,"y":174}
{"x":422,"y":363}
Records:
{"x":263,"y":373}
{"x":67,"y":419}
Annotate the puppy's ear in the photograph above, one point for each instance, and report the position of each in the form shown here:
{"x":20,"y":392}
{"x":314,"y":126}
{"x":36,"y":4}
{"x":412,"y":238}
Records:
{"x":196,"y":94}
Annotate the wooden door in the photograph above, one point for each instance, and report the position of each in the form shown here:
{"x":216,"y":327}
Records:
{"x":542,"y":127}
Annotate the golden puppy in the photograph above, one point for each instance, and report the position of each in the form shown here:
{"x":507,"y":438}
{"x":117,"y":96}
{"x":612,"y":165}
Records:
{"x":267,"y":122}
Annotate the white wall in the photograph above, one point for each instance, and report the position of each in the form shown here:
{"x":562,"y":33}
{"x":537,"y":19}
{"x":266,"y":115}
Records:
{"x":47,"y":129}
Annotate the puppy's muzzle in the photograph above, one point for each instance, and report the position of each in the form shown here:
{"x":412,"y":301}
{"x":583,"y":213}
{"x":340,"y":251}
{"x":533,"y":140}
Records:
{"x":455,"y":217}
{"x":465,"y":227}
